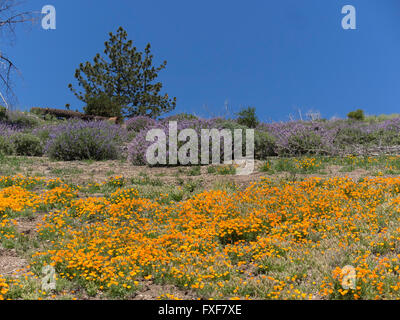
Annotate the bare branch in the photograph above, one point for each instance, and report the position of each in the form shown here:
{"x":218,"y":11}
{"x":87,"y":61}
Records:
{"x":10,"y":17}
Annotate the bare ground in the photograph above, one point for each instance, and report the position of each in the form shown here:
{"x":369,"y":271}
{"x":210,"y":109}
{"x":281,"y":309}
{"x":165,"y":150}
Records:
{"x":83,"y":172}
{"x":10,"y":262}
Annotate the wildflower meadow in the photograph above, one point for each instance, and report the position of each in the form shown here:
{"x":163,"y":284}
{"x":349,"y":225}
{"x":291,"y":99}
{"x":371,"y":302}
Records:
{"x":199,"y":151}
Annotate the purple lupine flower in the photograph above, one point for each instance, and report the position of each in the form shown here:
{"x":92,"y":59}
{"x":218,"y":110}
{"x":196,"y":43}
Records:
{"x":77,"y":140}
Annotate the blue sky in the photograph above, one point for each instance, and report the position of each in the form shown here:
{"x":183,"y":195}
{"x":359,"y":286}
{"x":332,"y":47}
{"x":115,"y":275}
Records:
{"x":277,"y":56}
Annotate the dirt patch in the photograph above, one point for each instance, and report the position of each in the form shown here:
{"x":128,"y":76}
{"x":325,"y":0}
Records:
{"x":79,"y":172}
{"x":153,"y":291}
{"x":10,"y":262}
{"x":28,"y":226}
{"x":335,"y":171}
{"x":83,"y":172}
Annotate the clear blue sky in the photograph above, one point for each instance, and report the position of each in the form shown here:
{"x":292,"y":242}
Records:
{"x":274,"y":55}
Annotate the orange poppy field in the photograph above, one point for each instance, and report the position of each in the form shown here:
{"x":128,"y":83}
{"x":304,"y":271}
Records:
{"x":274,"y":239}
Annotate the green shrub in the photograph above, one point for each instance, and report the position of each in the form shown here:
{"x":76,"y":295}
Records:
{"x":389,"y":137}
{"x":222,"y":170}
{"x":356,"y":115}
{"x":248,"y":117}
{"x":381,"y":117}
{"x":6,"y":146}
{"x":230,"y":124}
{"x":139,"y":123}
{"x":266,"y":167}
{"x":264,"y":145}
{"x":26,"y":144}
{"x":22,"y":119}
{"x":306,"y":143}
{"x":352,"y":136}
{"x":181,"y":117}
{"x":43,"y":133}
{"x":195,"y":171}
{"x":42,"y":115}
{"x":36,"y":111}
{"x":3,"y":113}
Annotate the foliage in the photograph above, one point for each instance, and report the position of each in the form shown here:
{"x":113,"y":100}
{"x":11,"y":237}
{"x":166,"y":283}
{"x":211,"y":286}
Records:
{"x":127,"y":76}
{"x":26,"y":144}
{"x":78,"y":140}
{"x":381,"y":117}
{"x":103,"y":105}
{"x":6,"y":147}
{"x":7,"y":129}
{"x":136,"y":124}
{"x":305,"y":143}
{"x":22,"y":119}
{"x":353,"y":135}
{"x":248,"y":117}
{"x":264,"y":145}
{"x":43,"y":132}
{"x":3,"y":113}
{"x":300,"y":138}
{"x":229,"y":124}
{"x":356,"y":115}
{"x":181,"y":117}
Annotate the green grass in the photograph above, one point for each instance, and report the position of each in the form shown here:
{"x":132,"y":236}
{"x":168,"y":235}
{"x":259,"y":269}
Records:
{"x":66,"y":171}
{"x":222,"y":170}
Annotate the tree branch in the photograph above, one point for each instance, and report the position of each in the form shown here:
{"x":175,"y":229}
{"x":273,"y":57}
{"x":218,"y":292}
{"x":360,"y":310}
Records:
{"x":9,"y":19}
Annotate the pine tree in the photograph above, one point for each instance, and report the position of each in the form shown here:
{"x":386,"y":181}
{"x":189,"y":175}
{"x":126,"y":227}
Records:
{"x":127,"y":76}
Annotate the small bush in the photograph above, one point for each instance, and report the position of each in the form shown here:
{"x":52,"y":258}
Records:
{"x":43,"y":133}
{"x":136,"y":124}
{"x":222,"y":170}
{"x":306,"y":143}
{"x":22,"y":119}
{"x":79,"y":140}
{"x":181,"y":117}
{"x":264,"y":145}
{"x":3,"y":113}
{"x":7,"y":130}
{"x":301,"y":138}
{"x":353,"y":136}
{"x":230,"y":124}
{"x":26,"y":144}
{"x":6,"y":147}
{"x":266,"y":167}
{"x":248,"y":117}
{"x":356,"y":115}
{"x":195,"y":171}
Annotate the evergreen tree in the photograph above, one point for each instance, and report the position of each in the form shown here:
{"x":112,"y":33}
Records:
{"x":103,"y":105}
{"x":127,"y":76}
{"x":356,"y":115}
{"x":247,"y":117}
